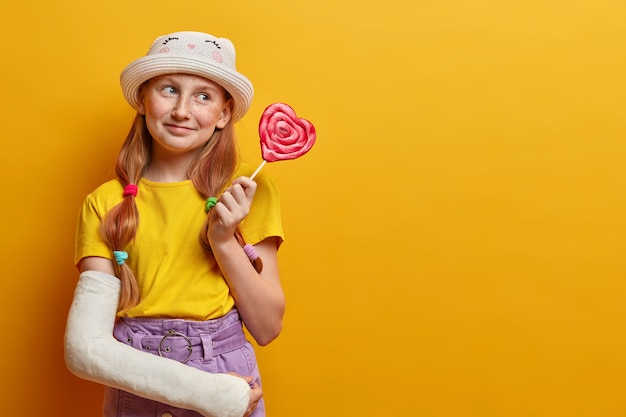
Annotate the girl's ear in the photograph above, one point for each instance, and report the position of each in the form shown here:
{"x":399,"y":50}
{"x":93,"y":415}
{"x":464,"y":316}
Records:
{"x":226,"y":114}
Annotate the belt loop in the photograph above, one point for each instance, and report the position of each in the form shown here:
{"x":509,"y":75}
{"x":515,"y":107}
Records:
{"x":128,"y":336}
{"x":177,"y":325}
{"x":207,"y":347}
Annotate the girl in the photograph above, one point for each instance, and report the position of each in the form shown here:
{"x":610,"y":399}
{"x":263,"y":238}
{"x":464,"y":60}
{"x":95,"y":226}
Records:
{"x":169,"y":268}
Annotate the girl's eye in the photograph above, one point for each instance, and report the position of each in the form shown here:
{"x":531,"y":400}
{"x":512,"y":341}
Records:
{"x":203,"y":97}
{"x":169,"y":90}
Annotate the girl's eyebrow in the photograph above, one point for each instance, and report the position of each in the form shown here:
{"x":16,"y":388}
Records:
{"x":210,"y":86}
{"x":202,"y":85}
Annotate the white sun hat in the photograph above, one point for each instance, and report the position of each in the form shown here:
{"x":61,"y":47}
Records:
{"x":193,"y":53}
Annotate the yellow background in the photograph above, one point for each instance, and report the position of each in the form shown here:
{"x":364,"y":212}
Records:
{"x":454,"y":239}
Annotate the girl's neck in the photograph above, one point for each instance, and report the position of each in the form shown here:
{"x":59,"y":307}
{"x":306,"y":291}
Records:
{"x":170,"y":168}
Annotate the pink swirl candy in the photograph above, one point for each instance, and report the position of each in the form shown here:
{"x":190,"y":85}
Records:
{"x":283,"y":134}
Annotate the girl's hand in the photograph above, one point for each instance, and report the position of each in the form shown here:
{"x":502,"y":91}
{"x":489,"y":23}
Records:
{"x":231,"y":208}
{"x":256,"y":393}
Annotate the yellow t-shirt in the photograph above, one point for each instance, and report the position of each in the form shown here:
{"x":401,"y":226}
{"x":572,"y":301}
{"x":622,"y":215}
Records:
{"x":176,"y":277}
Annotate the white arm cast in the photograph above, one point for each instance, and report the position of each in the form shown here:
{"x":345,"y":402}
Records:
{"x":92,"y":353}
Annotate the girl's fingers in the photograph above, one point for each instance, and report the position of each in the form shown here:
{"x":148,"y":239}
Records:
{"x":248,"y":186}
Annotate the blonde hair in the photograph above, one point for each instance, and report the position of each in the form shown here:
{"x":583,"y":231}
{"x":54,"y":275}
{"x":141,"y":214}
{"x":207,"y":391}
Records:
{"x":211,"y":173}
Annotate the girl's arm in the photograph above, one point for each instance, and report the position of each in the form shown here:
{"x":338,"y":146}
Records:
{"x":258,"y":296}
{"x":95,"y":263}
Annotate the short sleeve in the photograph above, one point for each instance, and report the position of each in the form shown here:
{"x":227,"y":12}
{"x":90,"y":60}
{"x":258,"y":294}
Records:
{"x":264,"y":219}
{"x":88,"y":240}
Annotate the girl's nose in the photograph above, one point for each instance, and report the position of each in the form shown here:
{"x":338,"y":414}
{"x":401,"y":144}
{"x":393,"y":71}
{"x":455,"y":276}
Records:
{"x":181,"y":109}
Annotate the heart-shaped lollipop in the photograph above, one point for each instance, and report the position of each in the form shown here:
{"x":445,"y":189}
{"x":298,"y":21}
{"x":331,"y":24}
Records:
{"x":283,"y":134}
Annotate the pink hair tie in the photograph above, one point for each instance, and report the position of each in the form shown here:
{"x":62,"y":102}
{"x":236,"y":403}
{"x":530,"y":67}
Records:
{"x":251,"y":252}
{"x":130,"y":189}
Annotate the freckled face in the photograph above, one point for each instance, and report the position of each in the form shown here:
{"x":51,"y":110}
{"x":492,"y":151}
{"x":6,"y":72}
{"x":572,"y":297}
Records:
{"x":182,"y":111}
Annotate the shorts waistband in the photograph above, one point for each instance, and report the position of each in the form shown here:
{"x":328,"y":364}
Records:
{"x":182,"y":340}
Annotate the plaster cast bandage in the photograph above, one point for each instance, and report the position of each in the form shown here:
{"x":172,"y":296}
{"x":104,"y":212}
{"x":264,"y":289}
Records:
{"x":92,"y":353}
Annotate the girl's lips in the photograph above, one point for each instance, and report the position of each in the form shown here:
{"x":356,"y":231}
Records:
{"x":178,"y":128}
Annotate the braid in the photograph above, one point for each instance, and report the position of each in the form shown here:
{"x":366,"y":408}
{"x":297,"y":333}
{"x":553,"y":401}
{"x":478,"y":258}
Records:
{"x":119,"y":225}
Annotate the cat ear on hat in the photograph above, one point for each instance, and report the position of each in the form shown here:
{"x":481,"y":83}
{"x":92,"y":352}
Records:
{"x":229,"y":47}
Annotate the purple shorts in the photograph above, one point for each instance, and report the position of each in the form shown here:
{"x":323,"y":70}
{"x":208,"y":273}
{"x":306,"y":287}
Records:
{"x":216,"y":346}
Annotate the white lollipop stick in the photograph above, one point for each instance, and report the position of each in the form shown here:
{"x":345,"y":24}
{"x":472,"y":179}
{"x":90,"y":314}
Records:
{"x":257,"y":170}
